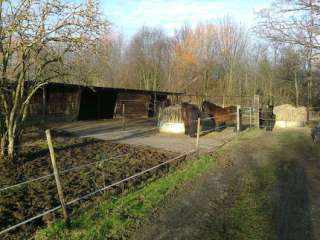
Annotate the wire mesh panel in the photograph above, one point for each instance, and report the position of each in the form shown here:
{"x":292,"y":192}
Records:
{"x":314,"y":114}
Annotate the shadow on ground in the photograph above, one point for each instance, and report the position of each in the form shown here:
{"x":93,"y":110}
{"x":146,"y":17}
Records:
{"x":266,"y":187}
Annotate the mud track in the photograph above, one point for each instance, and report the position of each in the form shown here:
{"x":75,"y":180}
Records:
{"x":266,"y":186}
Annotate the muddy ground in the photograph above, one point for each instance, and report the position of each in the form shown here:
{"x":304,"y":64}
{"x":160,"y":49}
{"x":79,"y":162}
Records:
{"x":266,"y":186}
{"x":26,"y":201}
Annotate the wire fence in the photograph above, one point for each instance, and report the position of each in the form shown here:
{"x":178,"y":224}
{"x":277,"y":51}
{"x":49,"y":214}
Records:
{"x":86,"y":196}
{"x":314,"y":114}
{"x":245,"y":113}
{"x":243,"y":116}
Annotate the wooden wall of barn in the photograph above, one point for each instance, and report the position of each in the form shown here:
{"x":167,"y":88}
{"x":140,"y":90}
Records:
{"x":70,"y":102}
{"x":56,"y":103}
{"x":136,"y":105}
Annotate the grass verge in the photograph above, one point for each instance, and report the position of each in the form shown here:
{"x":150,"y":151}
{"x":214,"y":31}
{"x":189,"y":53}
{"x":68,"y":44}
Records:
{"x":116,"y":218}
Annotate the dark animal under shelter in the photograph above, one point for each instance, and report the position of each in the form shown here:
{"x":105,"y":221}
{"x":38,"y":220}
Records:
{"x":190,"y":115}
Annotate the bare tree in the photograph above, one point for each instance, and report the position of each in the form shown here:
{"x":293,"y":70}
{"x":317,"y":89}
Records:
{"x":294,"y":22}
{"x":146,"y":53}
{"x":36,"y":36}
{"x":289,"y":71}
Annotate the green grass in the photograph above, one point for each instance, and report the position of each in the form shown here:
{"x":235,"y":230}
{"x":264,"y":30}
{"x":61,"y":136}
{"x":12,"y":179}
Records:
{"x":271,"y":199}
{"x":115,"y":219}
{"x":250,"y":215}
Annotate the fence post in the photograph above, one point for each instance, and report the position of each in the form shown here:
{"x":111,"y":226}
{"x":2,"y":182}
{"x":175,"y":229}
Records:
{"x":123,"y":117}
{"x":256,"y":100}
{"x":250,"y":118}
{"x":155,"y":105}
{"x":115,"y":111}
{"x":56,"y":176}
{"x":198,"y":137}
{"x":147,"y":108}
{"x":238,"y":118}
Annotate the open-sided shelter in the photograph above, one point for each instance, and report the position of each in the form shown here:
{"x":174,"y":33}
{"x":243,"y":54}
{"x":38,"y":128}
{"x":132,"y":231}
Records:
{"x":72,"y":102}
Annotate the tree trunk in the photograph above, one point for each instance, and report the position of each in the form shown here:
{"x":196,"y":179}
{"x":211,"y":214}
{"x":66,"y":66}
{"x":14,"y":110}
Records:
{"x":11,"y":146}
{"x":3,"y":144}
{"x":11,"y":142}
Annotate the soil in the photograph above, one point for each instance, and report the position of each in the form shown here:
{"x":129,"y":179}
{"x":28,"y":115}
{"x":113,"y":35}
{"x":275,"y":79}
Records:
{"x":33,"y":161}
{"x":266,"y":186}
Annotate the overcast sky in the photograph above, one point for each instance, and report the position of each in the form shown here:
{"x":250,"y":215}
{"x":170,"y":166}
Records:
{"x":127,"y":16}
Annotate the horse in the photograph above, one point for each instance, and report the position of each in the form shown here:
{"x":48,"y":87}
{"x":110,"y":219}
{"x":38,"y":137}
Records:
{"x":315,"y":134}
{"x":190,"y":115}
{"x":220,"y":116}
{"x":267,"y":118}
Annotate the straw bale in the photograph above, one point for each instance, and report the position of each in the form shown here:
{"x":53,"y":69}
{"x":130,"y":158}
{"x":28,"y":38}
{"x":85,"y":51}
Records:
{"x":171,"y":114}
{"x":288,"y":112}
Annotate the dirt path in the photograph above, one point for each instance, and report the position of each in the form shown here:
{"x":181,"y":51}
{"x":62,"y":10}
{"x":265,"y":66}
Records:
{"x":266,"y":186}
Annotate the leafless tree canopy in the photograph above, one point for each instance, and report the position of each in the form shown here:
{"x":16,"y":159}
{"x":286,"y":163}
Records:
{"x":36,"y":36}
{"x":52,"y":40}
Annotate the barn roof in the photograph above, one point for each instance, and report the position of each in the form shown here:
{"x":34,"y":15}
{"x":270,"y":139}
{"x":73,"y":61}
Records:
{"x":122,"y":90}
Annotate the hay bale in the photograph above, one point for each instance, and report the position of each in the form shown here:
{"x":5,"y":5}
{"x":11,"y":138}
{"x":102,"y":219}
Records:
{"x":290,"y":116}
{"x":170,"y":120}
{"x":171,"y":114}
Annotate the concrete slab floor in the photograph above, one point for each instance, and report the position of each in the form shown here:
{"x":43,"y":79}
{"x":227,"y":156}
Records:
{"x":144,"y":132}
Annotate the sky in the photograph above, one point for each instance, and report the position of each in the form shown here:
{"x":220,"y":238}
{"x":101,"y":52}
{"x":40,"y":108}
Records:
{"x":128,"y":16}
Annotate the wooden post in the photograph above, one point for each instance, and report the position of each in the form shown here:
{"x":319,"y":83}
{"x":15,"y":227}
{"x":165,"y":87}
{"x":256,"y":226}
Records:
{"x":155,"y":105}
{"x":198,"y":137}
{"x":223,"y":101}
{"x":147,"y":109}
{"x":250,"y":117}
{"x":56,"y":176}
{"x":115,"y":111}
{"x":256,"y":101}
{"x":123,"y":117}
{"x":79,"y":95}
{"x":238,"y":118}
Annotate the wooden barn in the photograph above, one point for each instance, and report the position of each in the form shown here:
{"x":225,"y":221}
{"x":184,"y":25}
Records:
{"x":69,"y":102}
